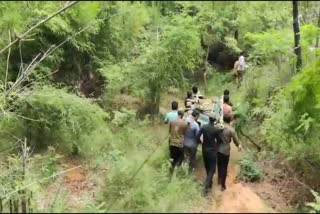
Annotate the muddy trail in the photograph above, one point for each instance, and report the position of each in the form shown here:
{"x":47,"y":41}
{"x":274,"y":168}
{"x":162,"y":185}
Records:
{"x":238,"y":198}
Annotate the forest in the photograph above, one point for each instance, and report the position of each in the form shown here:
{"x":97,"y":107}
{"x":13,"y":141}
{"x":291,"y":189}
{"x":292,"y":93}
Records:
{"x":85,"y":87}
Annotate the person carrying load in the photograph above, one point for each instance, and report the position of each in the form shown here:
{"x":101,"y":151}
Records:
{"x":188,"y":103}
{"x":196,"y":94}
{"x":211,"y":137}
{"x":177,"y":129}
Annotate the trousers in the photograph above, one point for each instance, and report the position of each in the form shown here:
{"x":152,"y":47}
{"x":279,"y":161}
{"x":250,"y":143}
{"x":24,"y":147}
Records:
{"x":190,"y":153}
{"x":176,"y":154}
{"x":210,"y":160}
{"x":222,"y":162}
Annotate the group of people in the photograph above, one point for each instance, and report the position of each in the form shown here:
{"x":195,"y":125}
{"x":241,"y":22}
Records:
{"x":186,"y":134}
{"x":238,"y":69}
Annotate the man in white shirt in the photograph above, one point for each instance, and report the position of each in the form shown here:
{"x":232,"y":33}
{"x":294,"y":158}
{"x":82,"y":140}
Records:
{"x":241,"y":66}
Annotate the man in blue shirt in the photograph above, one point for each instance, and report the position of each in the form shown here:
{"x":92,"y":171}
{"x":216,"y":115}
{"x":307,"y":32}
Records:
{"x":173,"y":115}
{"x":190,"y":141}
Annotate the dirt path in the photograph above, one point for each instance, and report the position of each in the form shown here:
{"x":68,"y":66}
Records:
{"x":238,"y":197}
{"x":76,"y":188}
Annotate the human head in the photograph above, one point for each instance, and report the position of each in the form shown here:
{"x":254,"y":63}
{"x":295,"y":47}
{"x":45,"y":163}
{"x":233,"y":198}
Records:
{"x":195,"y":114}
{"x":226,"y":92}
{"x":226,"y":99}
{"x":189,"y":94}
{"x":241,"y":54}
{"x":212,"y":117}
{"x":174,"y":105}
{"x":180,"y":114}
{"x":227,"y":118}
{"x":195,"y":89}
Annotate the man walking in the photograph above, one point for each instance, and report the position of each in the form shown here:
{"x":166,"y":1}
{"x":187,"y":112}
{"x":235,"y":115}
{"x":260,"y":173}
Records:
{"x":173,"y":115}
{"x":241,"y":68}
{"x":190,"y":142}
{"x":177,"y":129}
{"x":209,"y":149}
{"x":235,"y":70}
{"x":223,"y":155}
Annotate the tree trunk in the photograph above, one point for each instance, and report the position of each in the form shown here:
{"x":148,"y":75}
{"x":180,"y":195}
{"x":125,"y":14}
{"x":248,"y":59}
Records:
{"x":10,"y":205}
{"x":16,"y":205}
{"x":206,"y":70}
{"x":155,"y":100}
{"x":317,"y":41}
{"x":236,"y":35}
{"x":296,"y":31}
{"x":24,"y":166}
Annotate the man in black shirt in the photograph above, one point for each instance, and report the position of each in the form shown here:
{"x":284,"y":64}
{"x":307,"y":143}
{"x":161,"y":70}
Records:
{"x":211,"y":137}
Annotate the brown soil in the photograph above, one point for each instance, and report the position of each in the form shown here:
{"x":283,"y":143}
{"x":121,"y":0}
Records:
{"x":240,"y":197}
{"x":77,"y":190}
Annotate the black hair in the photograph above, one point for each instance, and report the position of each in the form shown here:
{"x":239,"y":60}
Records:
{"x":212,"y":119}
{"x":189,"y":94}
{"x":226,"y":99}
{"x":195,"y":89}
{"x":174,"y":105}
{"x":180,"y":113}
{"x":195,"y":113}
{"x":227,"y":118}
{"x":226,"y":92}
{"x":241,"y":53}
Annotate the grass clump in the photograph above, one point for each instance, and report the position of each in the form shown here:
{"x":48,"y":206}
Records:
{"x":249,"y":169}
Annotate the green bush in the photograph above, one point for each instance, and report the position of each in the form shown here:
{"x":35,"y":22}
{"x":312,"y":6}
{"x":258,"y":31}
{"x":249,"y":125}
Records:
{"x":249,"y":169}
{"x":52,"y":117}
{"x":292,"y":127}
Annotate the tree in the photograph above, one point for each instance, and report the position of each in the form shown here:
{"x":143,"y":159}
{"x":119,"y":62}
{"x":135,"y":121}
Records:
{"x":167,"y":61}
{"x":296,"y":31}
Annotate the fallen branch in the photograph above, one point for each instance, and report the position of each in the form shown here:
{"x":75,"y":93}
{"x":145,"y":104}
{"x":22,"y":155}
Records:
{"x":256,"y":145}
{"x":37,"y":25}
{"x":56,"y":197}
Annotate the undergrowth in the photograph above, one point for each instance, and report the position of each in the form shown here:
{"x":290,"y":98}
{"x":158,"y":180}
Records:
{"x":249,"y":168}
{"x":150,"y":189}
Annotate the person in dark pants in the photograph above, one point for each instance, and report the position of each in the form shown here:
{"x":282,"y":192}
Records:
{"x":190,"y":141}
{"x":211,"y":138}
{"x":223,"y":155}
{"x":177,"y":129}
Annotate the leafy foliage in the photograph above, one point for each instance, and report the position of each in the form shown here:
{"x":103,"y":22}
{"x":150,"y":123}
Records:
{"x":140,"y":50}
{"x":249,"y":169}
{"x":315,"y":206}
{"x":53,"y":117}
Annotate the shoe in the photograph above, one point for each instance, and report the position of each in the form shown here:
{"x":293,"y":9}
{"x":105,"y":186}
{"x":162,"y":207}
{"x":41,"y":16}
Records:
{"x":223,"y":189}
{"x":205,"y":193}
